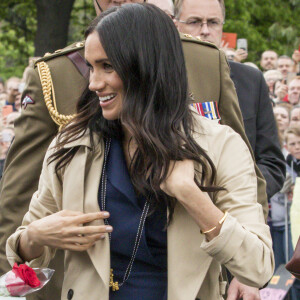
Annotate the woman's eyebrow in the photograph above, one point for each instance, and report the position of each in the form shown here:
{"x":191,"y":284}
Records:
{"x":97,"y":61}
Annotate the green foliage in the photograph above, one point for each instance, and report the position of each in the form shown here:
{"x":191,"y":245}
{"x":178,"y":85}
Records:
{"x":17,"y":27}
{"x":82,"y":14}
{"x":268,"y":24}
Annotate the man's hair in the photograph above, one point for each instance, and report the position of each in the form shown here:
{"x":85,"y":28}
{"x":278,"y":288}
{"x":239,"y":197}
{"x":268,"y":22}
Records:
{"x":285,"y":57}
{"x":291,"y":130}
{"x":269,"y":51}
{"x":178,"y":5}
{"x":12,"y":79}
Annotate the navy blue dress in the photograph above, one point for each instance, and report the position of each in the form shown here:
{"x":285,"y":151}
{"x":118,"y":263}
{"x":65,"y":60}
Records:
{"x":148,"y":277}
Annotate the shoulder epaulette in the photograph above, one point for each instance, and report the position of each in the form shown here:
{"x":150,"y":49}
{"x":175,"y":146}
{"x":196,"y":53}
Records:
{"x":192,"y":39}
{"x":47,"y":83}
{"x":60,"y":52}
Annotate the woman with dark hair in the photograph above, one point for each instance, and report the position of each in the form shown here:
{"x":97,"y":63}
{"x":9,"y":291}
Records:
{"x":148,"y":198}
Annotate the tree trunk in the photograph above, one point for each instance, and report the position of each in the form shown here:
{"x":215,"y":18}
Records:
{"x":52,"y":25}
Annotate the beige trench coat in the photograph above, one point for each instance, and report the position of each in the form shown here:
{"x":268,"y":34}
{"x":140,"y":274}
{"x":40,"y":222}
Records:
{"x":244,"y":244}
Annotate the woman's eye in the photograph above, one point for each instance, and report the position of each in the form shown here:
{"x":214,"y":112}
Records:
{"x":108,"y":67}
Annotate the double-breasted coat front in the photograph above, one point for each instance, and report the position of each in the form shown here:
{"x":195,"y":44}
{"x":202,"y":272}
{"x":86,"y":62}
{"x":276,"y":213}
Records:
{"x":244,"y":245}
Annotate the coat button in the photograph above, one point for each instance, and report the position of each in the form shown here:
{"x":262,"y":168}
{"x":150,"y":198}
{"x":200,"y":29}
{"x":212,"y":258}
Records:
{"x":70,"y":294}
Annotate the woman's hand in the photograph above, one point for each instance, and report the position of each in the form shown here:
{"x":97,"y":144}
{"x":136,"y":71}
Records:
{"x":180,"y":178}
{"x":65,"y":230}
{"x":181,"y":185}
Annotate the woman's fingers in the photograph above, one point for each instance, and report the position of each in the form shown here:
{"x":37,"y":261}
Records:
{"x":82,"y":240}
{"x":90,"y":217}
{"x":90,"y":230}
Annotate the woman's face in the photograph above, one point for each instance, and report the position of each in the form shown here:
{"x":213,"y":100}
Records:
{"x":295,"y":117}
{"x":103,"y":78}
{"x":282,"y":117}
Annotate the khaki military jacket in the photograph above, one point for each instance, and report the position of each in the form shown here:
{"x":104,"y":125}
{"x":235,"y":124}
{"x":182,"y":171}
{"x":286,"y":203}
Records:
{"x":244,"y":244}
{"x":209,"y":80}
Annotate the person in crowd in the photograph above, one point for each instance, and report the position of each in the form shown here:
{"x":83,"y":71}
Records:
{"x":165,"y":5}
{"x":251,"y":64}
{"x":281,"y":90}
{"x":205,"y":18}
{"x":3,"y":98}
{"x":2,"y":85}
{"x":268,"y":60}
{"x":10,"y":119}
{"x":290,"y":92}
{"x":131,"y":108}
{"x":282,"y":115}
{"x":7,"y":134}
{"x":296,"y":59}
{"x":240,"y":55}
{"x":43,"y":114}
{"x":14,"y":94}
{"x":293,"y":95}
{"x":271,"y":77}
{"x":230,"y":53}
{"x":285,"y":65}
{"x":281,"y":204}
{"x":295,"y":116}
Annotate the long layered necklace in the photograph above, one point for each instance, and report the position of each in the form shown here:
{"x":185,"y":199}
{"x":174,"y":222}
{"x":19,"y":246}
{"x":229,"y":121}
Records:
{"x":115,"y":285}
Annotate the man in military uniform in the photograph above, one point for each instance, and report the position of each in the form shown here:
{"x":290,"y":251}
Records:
{"x":49,"y":100}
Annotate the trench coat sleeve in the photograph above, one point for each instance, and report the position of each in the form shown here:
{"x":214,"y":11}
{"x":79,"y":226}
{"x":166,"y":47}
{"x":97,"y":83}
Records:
{"x":44,"y":202}
{"x":34,"y":131}
{"x":244,"y":244}
{"x":231,"y":115}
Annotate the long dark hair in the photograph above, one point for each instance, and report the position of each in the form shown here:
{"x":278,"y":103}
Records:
{"x":144,"y":48}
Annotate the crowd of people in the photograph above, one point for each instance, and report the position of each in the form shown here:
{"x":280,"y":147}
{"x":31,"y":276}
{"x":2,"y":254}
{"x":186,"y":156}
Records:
{"x":10,"y":109}
{"x":269,"y":104}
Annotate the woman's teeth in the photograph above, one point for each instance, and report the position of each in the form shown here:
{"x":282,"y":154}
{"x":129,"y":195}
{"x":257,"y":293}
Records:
{"x":106,"y":98}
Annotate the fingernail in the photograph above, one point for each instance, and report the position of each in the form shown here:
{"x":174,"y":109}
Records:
{"x":105,"y":214}
{"x":102,"y":237}
{"x":108,"y":228}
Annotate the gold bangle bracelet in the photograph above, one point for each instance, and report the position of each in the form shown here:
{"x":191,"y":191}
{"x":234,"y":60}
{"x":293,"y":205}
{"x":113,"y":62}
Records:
{"x":220,"y":222}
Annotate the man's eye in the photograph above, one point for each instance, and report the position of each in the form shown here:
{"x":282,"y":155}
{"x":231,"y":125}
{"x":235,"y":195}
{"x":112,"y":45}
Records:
{"x":213,"y":22}
{"x":193,"y":22}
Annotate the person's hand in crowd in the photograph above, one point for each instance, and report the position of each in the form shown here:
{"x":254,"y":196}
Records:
{"x":13,"y":93}
{"x":281,"y":90}
{"x":296,"y":56}
{"x":224,"y":45}
{"x":18,"y":102}
{"x":238,"y":291}
{"x":240,"y":54}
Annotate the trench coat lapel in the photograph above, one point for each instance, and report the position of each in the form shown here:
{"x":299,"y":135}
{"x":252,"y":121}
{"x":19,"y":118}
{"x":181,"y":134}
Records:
{"x":86,"y":168}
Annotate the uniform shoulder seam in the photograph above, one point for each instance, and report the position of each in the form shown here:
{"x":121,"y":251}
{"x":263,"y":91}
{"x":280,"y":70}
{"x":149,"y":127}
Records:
{"x":60,"y":52}
{"x":190,"y":39}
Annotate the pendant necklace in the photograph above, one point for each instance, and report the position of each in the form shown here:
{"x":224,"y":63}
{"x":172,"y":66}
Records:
{"x":115,"y":285}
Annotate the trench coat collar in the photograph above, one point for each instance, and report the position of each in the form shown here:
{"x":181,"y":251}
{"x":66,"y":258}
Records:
{"x":187,"y":262}
{"x":83,"y":140}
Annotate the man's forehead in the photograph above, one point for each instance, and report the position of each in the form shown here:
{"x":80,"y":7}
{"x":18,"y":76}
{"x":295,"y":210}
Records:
{"x":284,"y":61}
{"x":165,"y":5}
{"x":269,"y":54}
{"x":295,"y":82}
{"x":202,"y":8}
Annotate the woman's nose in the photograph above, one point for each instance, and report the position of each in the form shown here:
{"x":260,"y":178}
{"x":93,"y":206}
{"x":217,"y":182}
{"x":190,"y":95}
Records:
{"x":96,"y":83}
